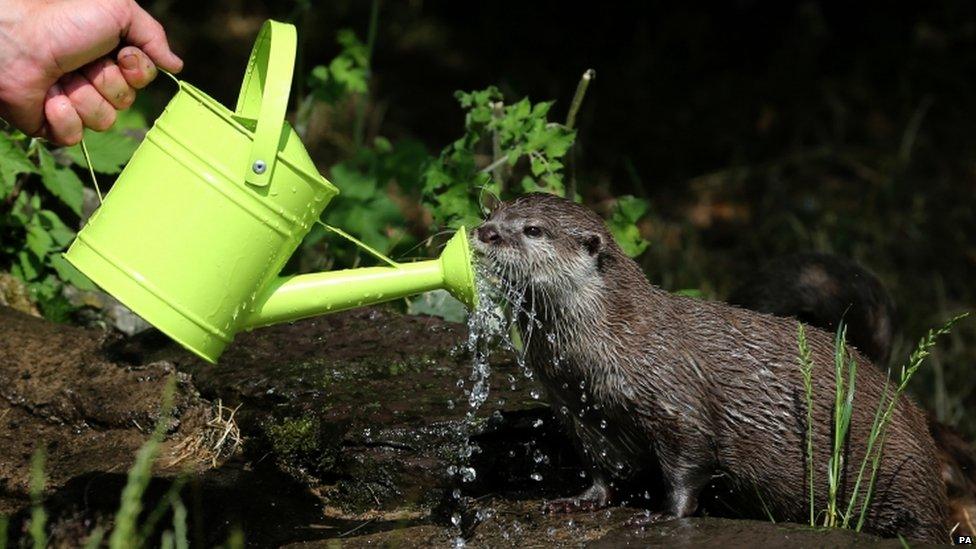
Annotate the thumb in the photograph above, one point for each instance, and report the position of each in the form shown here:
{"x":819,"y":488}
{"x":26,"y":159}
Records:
{"x":148,"y":35}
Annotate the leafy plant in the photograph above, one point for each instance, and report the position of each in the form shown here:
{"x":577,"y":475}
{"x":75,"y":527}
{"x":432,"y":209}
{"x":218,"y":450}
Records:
{"x":623,"y":224}
{"x":41,"y":199}
{"x":346,"y":74}
{"x":453,"y":182}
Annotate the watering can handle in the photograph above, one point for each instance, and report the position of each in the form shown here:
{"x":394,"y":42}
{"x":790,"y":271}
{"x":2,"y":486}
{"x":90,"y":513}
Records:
{"x":264,"y":96}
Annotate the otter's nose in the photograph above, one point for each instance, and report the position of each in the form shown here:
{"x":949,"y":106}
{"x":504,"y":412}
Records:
{"x":488,"y":234}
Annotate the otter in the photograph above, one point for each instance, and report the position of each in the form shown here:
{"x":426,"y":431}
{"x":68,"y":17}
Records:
{"x":695,"y":390}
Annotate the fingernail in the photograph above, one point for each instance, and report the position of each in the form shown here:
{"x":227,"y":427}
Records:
{"x":129,"y":61}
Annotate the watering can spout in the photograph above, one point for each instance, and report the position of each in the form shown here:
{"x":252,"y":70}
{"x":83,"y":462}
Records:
{"x":302,"y":296}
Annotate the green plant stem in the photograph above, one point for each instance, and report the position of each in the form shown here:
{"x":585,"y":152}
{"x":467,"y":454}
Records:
{"x":806,"y":369}
{"x":360,"y":127}
{"x":843,"y":410}
{"x":498,"y":173}
{"x":574,"y":108}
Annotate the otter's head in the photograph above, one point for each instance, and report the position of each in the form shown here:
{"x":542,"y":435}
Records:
{"x":545,"y":243}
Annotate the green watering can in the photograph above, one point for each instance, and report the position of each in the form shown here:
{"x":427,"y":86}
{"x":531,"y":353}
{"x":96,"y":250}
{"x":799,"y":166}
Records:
{"x":196,"y":229}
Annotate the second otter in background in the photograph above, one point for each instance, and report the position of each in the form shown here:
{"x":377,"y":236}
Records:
{"x":821,"y":290}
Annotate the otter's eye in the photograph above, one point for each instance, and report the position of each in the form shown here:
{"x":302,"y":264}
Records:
{"x":532,"y":231}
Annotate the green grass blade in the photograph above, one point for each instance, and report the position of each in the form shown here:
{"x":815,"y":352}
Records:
{"x":806,"y":369}
{"x":38,"y":521}
{"x":124,"y":535}
{"x":179,"y":524}
{"x":95,"y":539}
{"x":162,"y":506}
{"x":872,"y":438}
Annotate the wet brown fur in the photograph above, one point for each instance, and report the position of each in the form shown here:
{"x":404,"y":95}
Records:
{"x":696,"y":388}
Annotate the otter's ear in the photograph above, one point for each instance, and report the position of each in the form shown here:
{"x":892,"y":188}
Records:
{"x":592,"y":243}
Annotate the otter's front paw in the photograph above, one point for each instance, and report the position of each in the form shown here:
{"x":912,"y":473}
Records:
{"x":595,"y":497}
{"x":648,"y":518}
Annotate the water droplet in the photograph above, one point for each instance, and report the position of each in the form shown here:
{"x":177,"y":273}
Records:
{"x":468,"y":474}
{"x":534,"y":393}
{"x":536,"y":477}
{"x":603,"y":424}
{"x":537,"y":423}
{"x":456,"y":519}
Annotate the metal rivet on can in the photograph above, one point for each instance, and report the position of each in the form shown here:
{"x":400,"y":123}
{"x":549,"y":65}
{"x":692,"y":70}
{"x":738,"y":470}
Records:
{"x":259,"y":167}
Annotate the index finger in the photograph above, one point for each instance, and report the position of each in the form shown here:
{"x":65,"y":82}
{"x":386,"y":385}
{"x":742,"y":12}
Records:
{"x":148,"y":35}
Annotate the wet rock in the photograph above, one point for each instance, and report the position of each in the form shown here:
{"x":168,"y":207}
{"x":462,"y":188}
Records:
{"x":368,"y":407}
{"x":521,"y":524}
{"x":102,"y":309}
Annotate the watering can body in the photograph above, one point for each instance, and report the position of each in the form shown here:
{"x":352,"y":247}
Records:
{"x":199,"y":224}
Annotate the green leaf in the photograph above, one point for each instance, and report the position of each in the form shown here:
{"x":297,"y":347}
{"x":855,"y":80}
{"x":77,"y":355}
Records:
{"x":690,"y":292}
{"x":538,"y":166}
{"x":38,"y":239}
{"x":28,"y":266}
{"x":109,"y":151}
{"x":353,"y":183}
{"x":13,"y":162}
{"x":62,"y":182}
{"x":52,"y":224}
{"x":68,"y":273}
{"x":628,"y":237}
{"x":559,"y":143}
{"x":632,"y":208}
{"x":530,"y":185}
{"x":22,"y":211}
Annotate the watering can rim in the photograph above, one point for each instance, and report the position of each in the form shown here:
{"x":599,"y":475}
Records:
{"x":232,"y":119}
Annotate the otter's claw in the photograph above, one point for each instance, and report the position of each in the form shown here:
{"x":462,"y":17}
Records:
{"x":595,"y":497}
{"x":649,"y":518}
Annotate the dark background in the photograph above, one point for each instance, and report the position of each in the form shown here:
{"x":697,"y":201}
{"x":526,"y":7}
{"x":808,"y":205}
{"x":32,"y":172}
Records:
{"x":755,"y":129}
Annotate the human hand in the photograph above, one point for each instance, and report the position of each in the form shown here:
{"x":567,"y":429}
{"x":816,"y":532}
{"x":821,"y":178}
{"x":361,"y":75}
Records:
{"x":56,"y":77}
